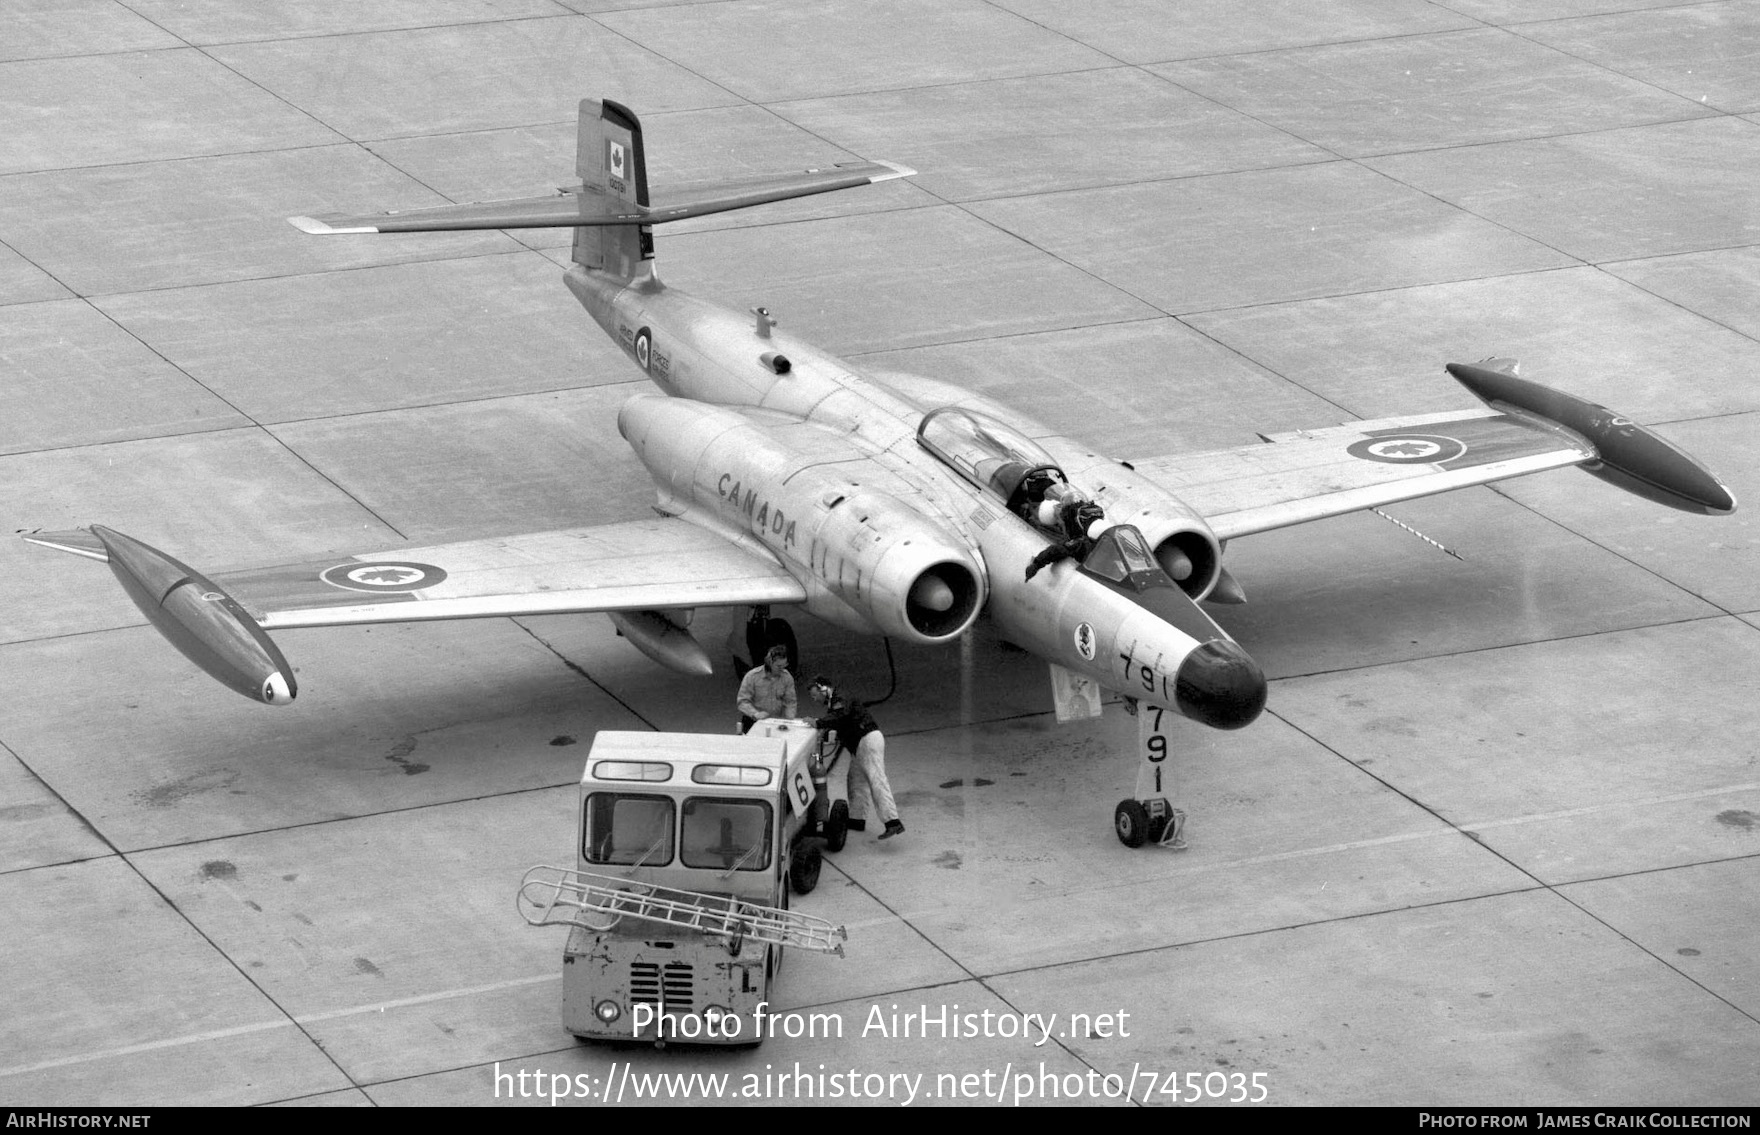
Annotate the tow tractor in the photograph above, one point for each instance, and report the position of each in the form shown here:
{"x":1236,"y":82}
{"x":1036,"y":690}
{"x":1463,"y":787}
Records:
{"x":678,"y":906}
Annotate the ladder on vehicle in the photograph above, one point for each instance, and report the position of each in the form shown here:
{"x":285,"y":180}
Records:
{"x":550,"y":896}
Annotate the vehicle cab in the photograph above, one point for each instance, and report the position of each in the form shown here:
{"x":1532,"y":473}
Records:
{"x":678,"y":903}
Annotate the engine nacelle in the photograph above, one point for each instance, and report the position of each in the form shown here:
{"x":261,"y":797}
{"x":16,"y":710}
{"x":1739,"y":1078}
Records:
{"x":862,"y":554}
{"x":885,"y":561}
{"x":1192,"y":558}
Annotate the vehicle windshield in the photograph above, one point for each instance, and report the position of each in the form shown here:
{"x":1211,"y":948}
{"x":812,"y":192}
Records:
{"x":984,"y":451}
{"x":726,"y":835}
{"x":628,"y":829}
{"x":1123,"y":556}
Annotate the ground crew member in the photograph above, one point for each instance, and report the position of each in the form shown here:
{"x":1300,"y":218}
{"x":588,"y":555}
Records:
{"x":767,"y":690}
{"x":857,"y":733}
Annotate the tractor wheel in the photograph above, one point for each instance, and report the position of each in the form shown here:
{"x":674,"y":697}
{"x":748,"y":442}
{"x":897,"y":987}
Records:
{"x":837,"y":826}
{"x":803,"y":866}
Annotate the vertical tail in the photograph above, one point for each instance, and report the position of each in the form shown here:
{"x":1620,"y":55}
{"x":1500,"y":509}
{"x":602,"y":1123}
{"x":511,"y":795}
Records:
{"x":610,"y":162}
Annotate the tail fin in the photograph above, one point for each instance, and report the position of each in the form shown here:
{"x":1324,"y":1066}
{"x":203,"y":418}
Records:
{"x":610,"y":163}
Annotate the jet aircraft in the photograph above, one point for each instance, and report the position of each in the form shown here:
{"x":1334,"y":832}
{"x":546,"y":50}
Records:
{"x":881,"y":502}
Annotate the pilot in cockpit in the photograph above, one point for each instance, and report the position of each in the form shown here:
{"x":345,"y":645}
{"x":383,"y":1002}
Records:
{"x":1034,"y":488}
{"x":1077,"y":520}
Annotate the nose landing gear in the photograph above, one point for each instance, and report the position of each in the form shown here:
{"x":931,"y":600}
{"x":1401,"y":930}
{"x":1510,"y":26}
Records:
{"x":1148,"y":816}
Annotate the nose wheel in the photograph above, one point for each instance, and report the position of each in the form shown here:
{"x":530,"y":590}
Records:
{"x":1143,"y":821}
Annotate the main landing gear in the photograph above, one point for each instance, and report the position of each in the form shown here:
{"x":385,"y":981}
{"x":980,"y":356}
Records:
{"x":1147,"y":816}
{"x":762,"y":632}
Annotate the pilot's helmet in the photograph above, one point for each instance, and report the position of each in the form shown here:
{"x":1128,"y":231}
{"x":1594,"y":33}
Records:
{"x":1098,"y":527}
{"x":1064,"y":491}
{"x":1088,"y":514}
{"x":1048,"y":513}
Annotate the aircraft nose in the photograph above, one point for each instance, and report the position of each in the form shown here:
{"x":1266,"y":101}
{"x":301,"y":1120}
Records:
{"x":1220,"y":685}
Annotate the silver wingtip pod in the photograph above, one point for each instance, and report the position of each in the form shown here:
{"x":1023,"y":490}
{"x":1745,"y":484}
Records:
{"x":1631,"y":456}
{"x":206,"y":625}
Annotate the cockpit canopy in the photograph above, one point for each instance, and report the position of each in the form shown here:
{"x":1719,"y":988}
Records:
{"x":989,"y":454}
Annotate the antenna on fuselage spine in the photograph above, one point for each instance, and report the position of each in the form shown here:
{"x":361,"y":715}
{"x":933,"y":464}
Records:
{"x":611,"y":163}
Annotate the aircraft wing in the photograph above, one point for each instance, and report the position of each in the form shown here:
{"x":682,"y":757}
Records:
{"x":1311,"y":474}
{"x":635,"y":565}
{"x":635,"y":571}
{"x":1524,"y":427}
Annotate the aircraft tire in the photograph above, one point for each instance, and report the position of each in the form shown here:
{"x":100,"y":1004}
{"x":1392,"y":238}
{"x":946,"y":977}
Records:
{"x":803,"y":866}
{"x":837,"y":826}
{"x":1131,"y":821}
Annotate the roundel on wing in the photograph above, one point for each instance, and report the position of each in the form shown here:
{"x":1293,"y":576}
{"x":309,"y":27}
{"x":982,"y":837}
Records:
{"x":644,"y":347}
{"x":1407,"y":449}
{"x":383,"y":576}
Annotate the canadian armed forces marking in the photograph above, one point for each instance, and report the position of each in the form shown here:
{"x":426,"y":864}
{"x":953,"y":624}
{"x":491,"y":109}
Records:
{"x":383,"y":576}
{"x":1407,"y":449}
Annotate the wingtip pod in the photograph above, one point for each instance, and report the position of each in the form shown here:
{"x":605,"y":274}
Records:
{"x":1631,"y":457}
{"x":208,"y":626}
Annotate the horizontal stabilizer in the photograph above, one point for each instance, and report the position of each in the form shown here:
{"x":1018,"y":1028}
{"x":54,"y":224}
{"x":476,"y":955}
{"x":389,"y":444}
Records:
{"x":1630,"y":456}
{"x":576,"y":210}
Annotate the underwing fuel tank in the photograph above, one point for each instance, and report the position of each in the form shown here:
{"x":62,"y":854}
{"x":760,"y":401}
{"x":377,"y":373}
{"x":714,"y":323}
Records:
{"x":207,"y":625}
{"x":1631,"y":456}
{"x":663,"y":640}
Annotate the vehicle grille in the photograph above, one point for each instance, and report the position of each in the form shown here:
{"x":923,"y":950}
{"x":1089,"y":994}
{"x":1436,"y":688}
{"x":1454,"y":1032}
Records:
{"x":649,"y":980}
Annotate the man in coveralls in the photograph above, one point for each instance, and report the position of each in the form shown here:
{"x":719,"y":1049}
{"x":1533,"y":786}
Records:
{"x":857,"y":733}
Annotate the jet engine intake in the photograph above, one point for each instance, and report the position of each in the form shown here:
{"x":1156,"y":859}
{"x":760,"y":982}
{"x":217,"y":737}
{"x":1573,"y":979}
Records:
{"x":1190,"y":559}
{"x":943,"y":599}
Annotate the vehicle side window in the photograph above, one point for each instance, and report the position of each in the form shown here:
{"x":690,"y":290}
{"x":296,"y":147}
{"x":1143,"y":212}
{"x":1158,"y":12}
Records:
{"x":627,"y":829}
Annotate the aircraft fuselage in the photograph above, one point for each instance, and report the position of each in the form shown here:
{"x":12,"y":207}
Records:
{"x":775,"y":444}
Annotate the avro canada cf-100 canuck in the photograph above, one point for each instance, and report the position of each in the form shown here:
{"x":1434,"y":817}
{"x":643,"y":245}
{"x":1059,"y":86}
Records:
{"x":882,"y":502}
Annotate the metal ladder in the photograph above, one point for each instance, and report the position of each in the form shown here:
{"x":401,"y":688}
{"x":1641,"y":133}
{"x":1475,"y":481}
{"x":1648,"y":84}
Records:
{"x":550,"y":896}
